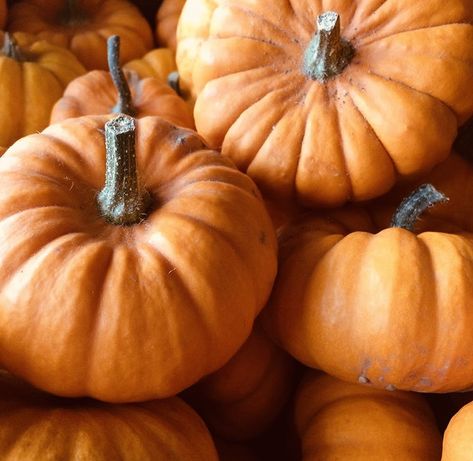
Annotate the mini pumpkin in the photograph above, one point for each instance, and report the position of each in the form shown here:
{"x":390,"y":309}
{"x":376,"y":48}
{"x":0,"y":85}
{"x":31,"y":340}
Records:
{"x":83,"y":26}
{"x":342,"y":421}
{"x":35,"y":425}
{"x":157,"y":63}
{"x":317,"y":100}
{"x":100,"y":92}
{"x":33,"y":76}
{"x":167,"y":18}
{"x":458,"y":437}
{"x":388,"y":307}
{"x":241,"y":399}
{"x":132,"y":266}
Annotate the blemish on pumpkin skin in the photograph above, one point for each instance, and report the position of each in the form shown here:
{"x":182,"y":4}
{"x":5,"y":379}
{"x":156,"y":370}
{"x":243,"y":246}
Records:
{"x":363,"y":380}
{"x":262,"y":238}
{"x":390,"y":387}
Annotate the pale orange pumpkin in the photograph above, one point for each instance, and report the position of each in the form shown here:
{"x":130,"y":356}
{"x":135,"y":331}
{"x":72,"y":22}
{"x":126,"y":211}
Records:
{"x":33,"y":76}
{"x":317,"y":101}
{"x":37,"y":426}
{"x":341,"y":421}
{"x":167,"y":18}
{"x":83,"y":26}
{"x":157,"y":63}
{"x":133,"y":290}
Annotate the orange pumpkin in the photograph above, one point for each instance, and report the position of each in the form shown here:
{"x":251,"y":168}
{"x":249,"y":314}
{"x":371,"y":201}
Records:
{"x":33,"y":75}
{"x":157,"y":63}
{"x":38,"y":426}
{"x":309,"y":98}
{"x":133,"y":290}
{"x":383,"y":306}
{"x":100,"y":92}
{"x":241,"y":399}
{"x":341,"y":421}
{"x":458,"y":437}
{"x":167,"y":18}
{"x":83,"y":26}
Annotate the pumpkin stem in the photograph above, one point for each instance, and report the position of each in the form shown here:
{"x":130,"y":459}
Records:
{"x":122,"y":201}
{"x":413,"y":206}
{"x":11,"y":49}
{"x":173,"y":82}
{"x":124,"y":104}
{"x":72,"y":15}
{"x":328,"y":53}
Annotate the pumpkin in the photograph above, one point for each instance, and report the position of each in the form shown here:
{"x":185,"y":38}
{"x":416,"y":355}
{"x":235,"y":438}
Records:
{"x":241,"y":399}
{"x":342,"y":421}
{"x":3,"y":13}
{"x":384,"y":306}
{"x":129,"y":270}
{"x":311,"y":101}
{"x":100,"y":92}
{"x":33,"y":75}
{"x":35,"y":425}
{"x":457,"y":439}
{"x":83,"y":26}
{"x":167,"y":18}
{"x":157,"y":63}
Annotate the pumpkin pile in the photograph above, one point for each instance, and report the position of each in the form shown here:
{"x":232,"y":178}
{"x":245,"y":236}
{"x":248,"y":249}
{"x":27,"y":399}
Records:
{"x":236,"y":230}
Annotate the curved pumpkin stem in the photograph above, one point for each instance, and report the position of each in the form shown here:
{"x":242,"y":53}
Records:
{"x":11,"y":49}
{"x":413,"y":206}
{"x":124,"y":104}
{"x":328,"y":53}
{"x":122,"y":201}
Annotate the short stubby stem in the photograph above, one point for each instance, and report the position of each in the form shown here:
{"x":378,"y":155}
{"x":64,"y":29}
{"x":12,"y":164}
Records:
{"x":413,"y":206}
{"x":328,"y":52}
{"x":122,"y":201}
{"x":11,"y":49}
{"x":124,"y":104}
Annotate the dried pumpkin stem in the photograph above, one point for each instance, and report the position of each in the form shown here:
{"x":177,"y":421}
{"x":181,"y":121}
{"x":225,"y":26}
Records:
{"x":124,"y":104}
{"x":328,"y":53}
{"x":122,"y":201}
{"x":173,"y":82}
{"x":72,"y":15}
{"x":413,"y":206}
{"x":11,"y":48}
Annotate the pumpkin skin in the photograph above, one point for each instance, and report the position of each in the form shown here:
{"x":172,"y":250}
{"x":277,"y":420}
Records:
{"x":30,"y":87}
{"x":241,"y":399}
{"x":382,"y":306}
{"x":35,"y":425}
{"x":86,"y":33}
{"x":243,"y":62}
{"x":342,"y":421}
{"x":95,"y":94}
{"x":3,"y":13}
{"x":167,"y":18}
{"x":457,"y":439}
{"x":127,"y":313}
{"x":158,"y":63}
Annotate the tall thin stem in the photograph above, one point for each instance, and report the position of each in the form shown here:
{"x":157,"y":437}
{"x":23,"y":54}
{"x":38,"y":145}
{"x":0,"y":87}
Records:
{"x":124,"y":104}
